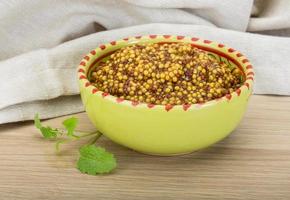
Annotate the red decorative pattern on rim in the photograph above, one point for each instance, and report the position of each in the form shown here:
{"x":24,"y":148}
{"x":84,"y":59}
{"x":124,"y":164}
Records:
{"x":135,"y":103}
{"x":104,"y":94}
{"x":250,"y":73}
{"x":150,"y":105}
{"x":81,"y":70}
{"x":166,"y":36}
{"x":250,"y":78}
{"x":102,"y":46}
{"x":152,"y":36}
{"x":180,"y":37}
{"x":119,"y":100}
{"x":93,"y":52}
{"x":249,"y":67}
{"x":186,"y":107}
{"x":228,"y":96}
{"x":138,"y":37}
{"x":238,"y":91}
{"x":87,"y":84}
{"x":247,"y":85}
{"x":82,"y":77}
{"x":126,"y":39}
{"x":87,"y":58}
{"x":245,"y":60}
{"x":83,"y":63}
{"x":95,"y":90}
{"x":113,"y":43}
{"x":239,"y":55}
{"x":221,"y":45}
{"x":207,"y":41}
{"x":168,"y":107}
{"x":231,"y":50}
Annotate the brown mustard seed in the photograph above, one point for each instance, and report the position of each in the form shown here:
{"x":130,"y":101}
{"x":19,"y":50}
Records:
{"x":174,"y":73}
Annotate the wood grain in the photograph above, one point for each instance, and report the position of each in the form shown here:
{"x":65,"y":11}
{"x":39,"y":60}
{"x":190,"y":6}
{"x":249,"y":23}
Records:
{"x":252,"y":163}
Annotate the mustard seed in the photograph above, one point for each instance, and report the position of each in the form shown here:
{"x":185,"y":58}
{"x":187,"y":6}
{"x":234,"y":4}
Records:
{"x":173,"y":73}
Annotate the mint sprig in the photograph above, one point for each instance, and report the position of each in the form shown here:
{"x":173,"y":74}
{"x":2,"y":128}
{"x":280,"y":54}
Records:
{"x":93,"y":160}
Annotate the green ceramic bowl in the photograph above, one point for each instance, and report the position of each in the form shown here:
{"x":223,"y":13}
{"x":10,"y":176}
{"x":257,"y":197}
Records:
{"x":158,"y":129}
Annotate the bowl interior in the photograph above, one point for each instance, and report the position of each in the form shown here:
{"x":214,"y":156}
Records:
{"x":219,"y":56}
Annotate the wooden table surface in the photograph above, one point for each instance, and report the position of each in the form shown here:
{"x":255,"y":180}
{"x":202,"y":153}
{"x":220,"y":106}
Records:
{"x":252,"y":163}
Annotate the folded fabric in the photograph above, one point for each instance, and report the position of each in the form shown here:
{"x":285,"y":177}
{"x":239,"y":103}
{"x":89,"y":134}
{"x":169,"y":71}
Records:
{"x":42,"y":44}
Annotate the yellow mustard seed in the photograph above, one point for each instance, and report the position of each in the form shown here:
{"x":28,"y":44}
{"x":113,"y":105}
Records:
{"x":174,"y":79}
{"x":167,"y":90}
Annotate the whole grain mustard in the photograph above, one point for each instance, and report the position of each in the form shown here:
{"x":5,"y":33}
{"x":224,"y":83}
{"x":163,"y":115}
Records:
{"x":173,"y":73}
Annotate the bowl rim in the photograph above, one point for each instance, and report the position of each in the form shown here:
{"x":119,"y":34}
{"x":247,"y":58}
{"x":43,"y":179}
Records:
{"x":231,"y":54}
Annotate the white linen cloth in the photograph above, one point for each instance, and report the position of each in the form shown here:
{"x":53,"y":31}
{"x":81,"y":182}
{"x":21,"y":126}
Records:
{"x":42,"y":42}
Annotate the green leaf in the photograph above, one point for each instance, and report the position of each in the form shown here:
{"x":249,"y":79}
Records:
{"x":47,"y":132}
{"x":95,"y":160}
{"x":70,"y":125}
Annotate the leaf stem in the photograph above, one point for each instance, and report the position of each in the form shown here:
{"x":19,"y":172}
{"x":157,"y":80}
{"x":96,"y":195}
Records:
{"x":94,"y":140}
{"x":85,"y":134}
{"x":58,"y":143}
{"x":74,"y":138}
{"x":78,"y":134}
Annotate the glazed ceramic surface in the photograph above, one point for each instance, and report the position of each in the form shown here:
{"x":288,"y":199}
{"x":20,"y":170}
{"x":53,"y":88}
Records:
{"x":158,"y":129}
